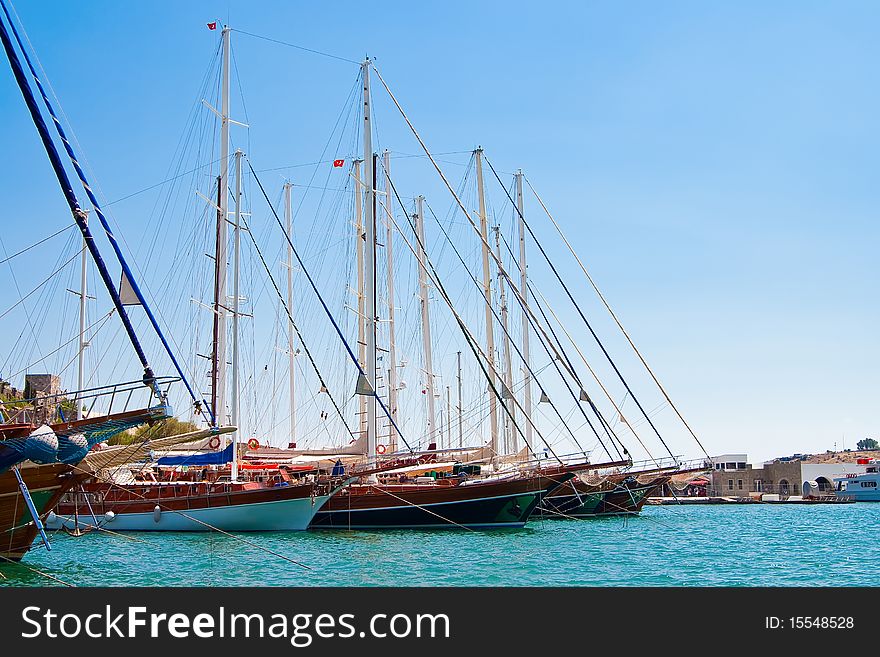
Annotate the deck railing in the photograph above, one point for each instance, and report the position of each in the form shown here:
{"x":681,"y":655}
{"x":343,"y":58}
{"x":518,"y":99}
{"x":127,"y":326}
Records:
{"x":103,"y":400}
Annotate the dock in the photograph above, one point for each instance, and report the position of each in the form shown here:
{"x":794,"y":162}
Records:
{"x":766,"y":499}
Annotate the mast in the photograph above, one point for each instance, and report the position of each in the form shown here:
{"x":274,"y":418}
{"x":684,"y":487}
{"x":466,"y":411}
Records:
{"x":290,"y":329}
{"x":389,"y":262}
{"x":81,"y":357}
{"x":359,"y":247}
{"x":218,"y":361}
{"x":460,"y":422}
{"x":426,"y":322}
{"x":236,"y":257}
{"x":524,"y":296}
{"x":369,"y":264}
{"x":487,"y":290}
{"x":448,"y":420}
{"x":507,"y":390}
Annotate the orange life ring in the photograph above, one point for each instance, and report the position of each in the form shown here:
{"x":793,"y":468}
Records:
{"x":253,"y":443}
{"x":214,"y":443}
{"x":380,"y":449}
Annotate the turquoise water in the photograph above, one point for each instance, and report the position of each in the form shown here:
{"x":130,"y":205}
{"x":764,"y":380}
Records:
{"x":754,"y":545}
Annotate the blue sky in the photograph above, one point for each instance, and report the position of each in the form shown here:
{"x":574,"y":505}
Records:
{"x":713,"y":163}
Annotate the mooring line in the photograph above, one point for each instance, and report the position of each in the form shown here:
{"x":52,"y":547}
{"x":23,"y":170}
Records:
{"x":39,"y":572}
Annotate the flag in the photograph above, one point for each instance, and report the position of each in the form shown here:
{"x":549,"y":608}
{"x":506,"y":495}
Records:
{"x":212,"y":26}
{"x":338,"y":163}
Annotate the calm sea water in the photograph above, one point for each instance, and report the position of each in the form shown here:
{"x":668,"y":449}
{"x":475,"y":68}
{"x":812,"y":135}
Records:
{"x":760,"y":545}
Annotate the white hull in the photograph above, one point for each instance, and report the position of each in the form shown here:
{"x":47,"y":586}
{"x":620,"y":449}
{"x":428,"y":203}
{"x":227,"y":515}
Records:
{"x":861,"y":488}
{"x":284,"y":515}
{"x":860,"y":495}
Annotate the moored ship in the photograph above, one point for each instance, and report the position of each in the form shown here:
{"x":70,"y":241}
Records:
{"x":506,"y":500}
{"x":861,"y":487}
{"x":617,"y":495}
{"x":29,"y":489}
{"x":192,"y":506}
{"x":45,"y":485}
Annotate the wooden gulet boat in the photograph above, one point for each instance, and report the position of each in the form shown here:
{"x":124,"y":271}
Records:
{"x":280,"y":505}
{"x":45,"y":485}
{"x":623,"y":493}
{"x":29,"y":491}
{"x":487,"y":503}
{"x":618,"y":495}
{"x":203,"y":498}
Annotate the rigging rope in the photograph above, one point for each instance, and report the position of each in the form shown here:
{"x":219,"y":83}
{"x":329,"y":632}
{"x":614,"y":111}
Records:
{"x":323,"y":303}
{"x":28,"y":248}
{"x":590,"y":369}
{"x":159,"y":184}
{"x":296,"y":328}
{"x":560,"y":355}
{"x":616,"y":320}
{"x":38,"y":572}
{"x":507,"y":335}
{"x":101,"y":321}
{"x":293,"y":45}
{"x":39,"y":285}
{"x":581,"y":313}
{"x":478,"y":352}
{"x":79,"y":214}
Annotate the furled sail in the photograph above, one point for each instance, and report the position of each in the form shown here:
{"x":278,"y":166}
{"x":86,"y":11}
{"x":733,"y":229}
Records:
{"x":211,"y":458}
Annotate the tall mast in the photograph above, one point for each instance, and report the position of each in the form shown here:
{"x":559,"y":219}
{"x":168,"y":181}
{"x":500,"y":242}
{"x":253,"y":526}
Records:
{"x":524,"y":296}
{"x":369,"y":263}
{"x":288,"y":211}
{"x":487,"y":291}
{"x":507,"y":391}
{"x":426,"y":322}
{"x":448,"y":421}
{"x":389,"y":262}
{"x":218,"y":365}
{"x":81,"y":357}
{"x":236,"y":258}
{"x":460,"y":421}
{"x":359,"y":247}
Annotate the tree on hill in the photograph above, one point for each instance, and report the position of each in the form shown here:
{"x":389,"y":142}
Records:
{"x":867,"y":444}
{"x":169,"y":427}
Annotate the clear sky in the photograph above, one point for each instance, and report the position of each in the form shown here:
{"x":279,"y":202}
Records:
{"x":714,"y":163}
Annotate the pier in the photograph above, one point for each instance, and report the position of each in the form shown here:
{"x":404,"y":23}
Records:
{"x":765,"y":499}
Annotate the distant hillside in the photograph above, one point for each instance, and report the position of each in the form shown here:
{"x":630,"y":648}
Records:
{"x":843,"y":457}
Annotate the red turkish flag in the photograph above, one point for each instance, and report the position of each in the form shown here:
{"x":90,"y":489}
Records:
{"x":338,"y":163}
{"x":212,"y":26}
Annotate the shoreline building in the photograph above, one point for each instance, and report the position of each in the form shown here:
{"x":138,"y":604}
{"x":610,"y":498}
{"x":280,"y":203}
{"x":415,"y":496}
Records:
{"x":788,"y":476}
